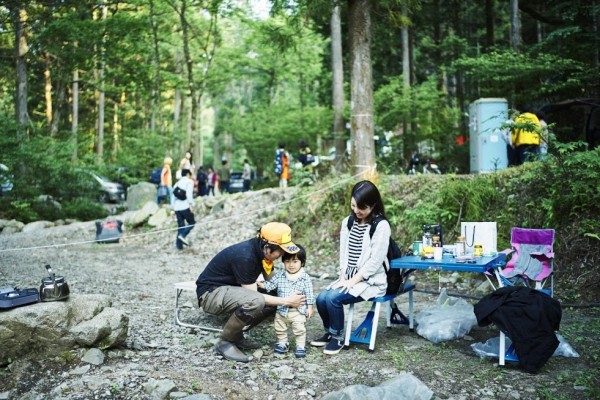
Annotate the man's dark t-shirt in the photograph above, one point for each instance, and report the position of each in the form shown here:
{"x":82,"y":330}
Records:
{"x":236,"y":265}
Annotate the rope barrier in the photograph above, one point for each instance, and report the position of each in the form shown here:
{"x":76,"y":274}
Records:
{"x":155,"y":232}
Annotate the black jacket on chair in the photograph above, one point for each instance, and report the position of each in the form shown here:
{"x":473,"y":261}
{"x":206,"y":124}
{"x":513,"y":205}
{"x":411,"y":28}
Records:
{"x":529,"y":317}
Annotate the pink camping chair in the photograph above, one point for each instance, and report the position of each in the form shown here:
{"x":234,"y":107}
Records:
{"x":532,"y":260}
{"x":531,"y":265}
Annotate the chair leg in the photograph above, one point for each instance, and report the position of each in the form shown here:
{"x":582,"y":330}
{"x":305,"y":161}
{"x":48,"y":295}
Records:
{"x":388,"y":313}
{"x":349,"y":326}
{"x":502,"y":348}
{"x":374,"y":329}
{"x":411,"y":311}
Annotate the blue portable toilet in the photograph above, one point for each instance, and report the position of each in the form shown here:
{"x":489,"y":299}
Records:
{"x":486,"y":143}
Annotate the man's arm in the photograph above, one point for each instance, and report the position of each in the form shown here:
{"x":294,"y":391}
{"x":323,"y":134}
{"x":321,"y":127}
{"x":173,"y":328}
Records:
{"x":294,"y":300}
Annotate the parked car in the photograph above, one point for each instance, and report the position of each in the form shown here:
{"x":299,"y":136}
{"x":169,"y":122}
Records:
{"x":109,"y":191}
{"x":6,"y":184}
{"x":236,"y":183}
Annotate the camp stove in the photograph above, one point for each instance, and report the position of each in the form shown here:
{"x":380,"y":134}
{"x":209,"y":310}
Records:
{"x":11,"y":297}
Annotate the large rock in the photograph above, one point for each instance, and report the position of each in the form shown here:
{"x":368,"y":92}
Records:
{"x":139,"y":194}
{"x":37,"y":225}
{"x":12,"y":226}
{"x":160,"y":218}
{"x":141,"y":216}
{"x":402,"y":387}
{"x":54,"y":327}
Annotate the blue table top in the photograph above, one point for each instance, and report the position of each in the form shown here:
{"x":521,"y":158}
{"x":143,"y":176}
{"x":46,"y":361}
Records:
{"x":449,"y":263}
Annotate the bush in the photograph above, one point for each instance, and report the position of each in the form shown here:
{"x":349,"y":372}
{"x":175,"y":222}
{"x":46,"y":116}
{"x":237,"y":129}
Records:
{"x":83,"y":210}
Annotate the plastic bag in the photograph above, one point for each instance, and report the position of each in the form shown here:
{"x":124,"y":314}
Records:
{"x":450,"y":318}
{"x":564,"y":348}
{"x":491,"y":347}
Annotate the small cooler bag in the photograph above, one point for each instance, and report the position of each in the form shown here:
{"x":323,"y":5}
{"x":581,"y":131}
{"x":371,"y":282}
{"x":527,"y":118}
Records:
{"x":109,"y":231}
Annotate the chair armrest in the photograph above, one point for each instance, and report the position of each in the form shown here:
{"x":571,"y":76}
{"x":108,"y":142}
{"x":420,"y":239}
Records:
{"x":507,"y":251}
{"x":542,"y":256}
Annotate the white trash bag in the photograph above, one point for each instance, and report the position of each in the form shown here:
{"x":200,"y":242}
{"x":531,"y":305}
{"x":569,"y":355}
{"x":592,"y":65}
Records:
{"x":491,"y":347}
{"x":450,"y":318}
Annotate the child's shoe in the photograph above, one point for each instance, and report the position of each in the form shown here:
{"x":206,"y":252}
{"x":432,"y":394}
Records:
{"x":300,"y":352}
{"x":281,"y":348}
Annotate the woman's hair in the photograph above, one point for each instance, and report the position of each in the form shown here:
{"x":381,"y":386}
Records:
{"x":300,"y":255}
{"x":366,"y":194}
{"x":168,"y":160}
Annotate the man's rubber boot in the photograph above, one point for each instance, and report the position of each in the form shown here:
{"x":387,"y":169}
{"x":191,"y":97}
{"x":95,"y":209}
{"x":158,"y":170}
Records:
{"x":245,"y":343}
{"x":232,"y":333}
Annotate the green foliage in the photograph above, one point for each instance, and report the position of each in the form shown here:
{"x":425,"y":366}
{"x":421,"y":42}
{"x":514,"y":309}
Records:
{"x":514,"y":75}
{"x":425,"y":106}
{"x":83,"y":210}
{"x":575,"y":187}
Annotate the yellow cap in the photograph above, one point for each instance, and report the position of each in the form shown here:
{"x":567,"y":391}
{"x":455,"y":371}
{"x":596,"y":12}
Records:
{"x":280,"y":234}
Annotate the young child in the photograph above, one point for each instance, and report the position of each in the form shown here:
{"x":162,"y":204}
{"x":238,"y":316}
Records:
{"x":287,"y":281}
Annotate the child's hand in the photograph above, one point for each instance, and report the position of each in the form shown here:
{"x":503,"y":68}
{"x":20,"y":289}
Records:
{"x":309,"y":311}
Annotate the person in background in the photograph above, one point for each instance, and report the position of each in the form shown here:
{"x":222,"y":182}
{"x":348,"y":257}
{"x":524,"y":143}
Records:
{"x":526,"y":136}
{"x":282,"y":165}
{"x":228,"y":286}
{"x":414,"y":162}
{"x":166,"y":180}
{"x":544,"y":135}
{"x":211,"y":181}
{"x":185,"y":163}
{"x":246,"y":175}
{"x":292,"y":278}
{"x":184,"y":208}
{"x":506,"y":133}
{"x":304,"y":154}
{"x":361,"y":272}
{"x":224,"y":177}
{"x":201,"y":179}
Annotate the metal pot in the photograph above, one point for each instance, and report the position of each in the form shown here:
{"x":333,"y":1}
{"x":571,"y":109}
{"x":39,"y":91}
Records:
{"x":53,"y":288}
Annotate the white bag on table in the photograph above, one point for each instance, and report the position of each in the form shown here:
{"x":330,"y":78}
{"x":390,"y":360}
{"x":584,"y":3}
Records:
{"x":485,"y":233}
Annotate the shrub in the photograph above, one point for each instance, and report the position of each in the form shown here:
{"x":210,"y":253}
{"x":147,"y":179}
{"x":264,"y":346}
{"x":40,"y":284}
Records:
{"x":83,"y":210}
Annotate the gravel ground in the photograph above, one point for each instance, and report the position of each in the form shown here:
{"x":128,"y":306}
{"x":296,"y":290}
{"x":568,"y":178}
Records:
{"x":139,"y":273}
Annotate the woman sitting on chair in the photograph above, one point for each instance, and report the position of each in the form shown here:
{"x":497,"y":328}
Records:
{"x":362,"y":274}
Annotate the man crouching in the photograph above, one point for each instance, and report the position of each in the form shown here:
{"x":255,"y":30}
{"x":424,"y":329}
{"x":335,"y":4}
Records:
{"x":228,"y":285}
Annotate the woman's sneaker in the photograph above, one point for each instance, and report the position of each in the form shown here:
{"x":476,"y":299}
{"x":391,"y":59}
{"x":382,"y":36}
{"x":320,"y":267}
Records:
{"x":322,"y":341}
{"x":281,"y":348}
{"x":334,"y":346}
{"x":300,"y":352}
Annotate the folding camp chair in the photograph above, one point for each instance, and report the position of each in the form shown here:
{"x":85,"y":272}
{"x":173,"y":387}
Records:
{"x":531,"y":265}
{"x":532,"y":259}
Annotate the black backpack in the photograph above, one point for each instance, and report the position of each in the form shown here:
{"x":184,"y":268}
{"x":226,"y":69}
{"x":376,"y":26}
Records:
{"x":394,"y":275}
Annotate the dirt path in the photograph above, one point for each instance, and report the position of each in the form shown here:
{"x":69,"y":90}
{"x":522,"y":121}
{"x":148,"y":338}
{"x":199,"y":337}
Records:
{"x":139,"y":274}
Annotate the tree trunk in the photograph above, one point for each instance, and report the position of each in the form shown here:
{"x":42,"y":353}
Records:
{"x":596,"y":29}
{"x":177,"y":98}
{"x":47,"y":88}
{"x":59,"y":103}
{"x":101,"y":96}
{"x":338,"y":88}
{"x":190,"y":75}
{"x":405,"y":69}
{"x":155,"y":102}
{"x":361,"y":88}
{"x":515,"y":25}
{"x":19,"y":16}
{"x":75,"y":116}
{"x":489,"y":23}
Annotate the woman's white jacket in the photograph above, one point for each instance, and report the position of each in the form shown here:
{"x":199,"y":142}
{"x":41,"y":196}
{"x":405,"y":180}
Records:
{"x":371,"y":261}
